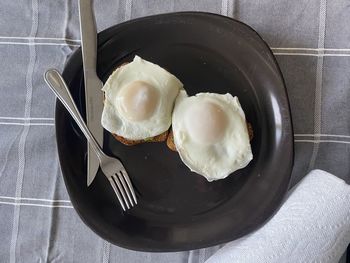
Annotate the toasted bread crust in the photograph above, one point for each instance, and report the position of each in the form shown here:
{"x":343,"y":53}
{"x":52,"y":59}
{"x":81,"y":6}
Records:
{"x":159,"y":138}
{"x":171,"y":144}
{"x":250,"y":131}
{"x":170,"y":141}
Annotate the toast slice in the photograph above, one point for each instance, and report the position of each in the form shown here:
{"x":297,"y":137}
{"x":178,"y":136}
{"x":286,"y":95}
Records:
{"x":159,"y":138}
{"x":171,"y":144}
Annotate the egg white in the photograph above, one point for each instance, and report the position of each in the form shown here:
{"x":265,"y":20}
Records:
{"x":167,"y":85}
{"x":219,"y":159}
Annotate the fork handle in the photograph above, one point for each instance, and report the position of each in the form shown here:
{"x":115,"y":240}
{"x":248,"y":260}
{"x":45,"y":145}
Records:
{"x":57,"y":84}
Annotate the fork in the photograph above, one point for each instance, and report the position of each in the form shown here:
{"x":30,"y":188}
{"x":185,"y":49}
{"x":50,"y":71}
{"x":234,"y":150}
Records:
{"x":112,"y":168}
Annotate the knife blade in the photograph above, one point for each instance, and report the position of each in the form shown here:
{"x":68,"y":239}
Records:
{"x":93,"y":85}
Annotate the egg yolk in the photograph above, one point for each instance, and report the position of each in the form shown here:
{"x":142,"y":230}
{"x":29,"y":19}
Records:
{"x":138,"y":100}
{"x":206,"y":122}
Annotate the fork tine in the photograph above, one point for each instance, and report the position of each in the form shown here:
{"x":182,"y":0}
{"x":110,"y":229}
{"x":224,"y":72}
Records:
{"x":126,"y":188}
{"x":127,"y":179}
{"x":122,"y":191}
{"x":117,"y":193}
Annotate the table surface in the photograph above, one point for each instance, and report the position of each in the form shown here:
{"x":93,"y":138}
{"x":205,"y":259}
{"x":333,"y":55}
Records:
{"x":311,"y":40}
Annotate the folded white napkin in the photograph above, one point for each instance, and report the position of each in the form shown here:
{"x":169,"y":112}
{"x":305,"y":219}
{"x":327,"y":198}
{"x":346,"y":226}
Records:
{"x":313,"y":225}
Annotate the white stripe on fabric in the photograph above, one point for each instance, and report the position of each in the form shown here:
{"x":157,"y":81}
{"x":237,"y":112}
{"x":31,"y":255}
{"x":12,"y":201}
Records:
{"x":16,"y":204}
{"x":322,"y":141}
{"x":24,"y":119}
{"x":35,"y":199}
{"x":128,"y":7}
{"x":67,"y":16}
{"x":275,"y":53}
{"x":23,"y":137}
{"x":37,"y":44}
{"x":42,"y":38}
{"x":224,"y":7}
{"x":27,"y":124}
{"x":311,"y":55}
{"x":106,"y":251}
{"x":227,"y":8}
{"x":191,"y":256}
{"x":319,"y":84}
{"x":201,"y":255}
{"x":312,"y":49}
{"x":230,"y":8}
{"x":225,"y":4}
{"x":321,"y":135}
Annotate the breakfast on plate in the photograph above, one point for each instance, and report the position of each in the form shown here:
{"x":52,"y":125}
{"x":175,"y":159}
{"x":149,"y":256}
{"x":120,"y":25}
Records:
{"x":210,"y":134}
{"x":145,"y":103}
{"x":139,"y":99}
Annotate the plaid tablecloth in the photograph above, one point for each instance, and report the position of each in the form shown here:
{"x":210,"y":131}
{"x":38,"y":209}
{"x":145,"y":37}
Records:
{"x":311,"y":40}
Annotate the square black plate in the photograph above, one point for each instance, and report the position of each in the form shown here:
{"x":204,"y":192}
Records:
{"x":180,"y":210}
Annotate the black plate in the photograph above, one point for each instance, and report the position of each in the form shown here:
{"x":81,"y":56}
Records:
{"x":180,"y":210}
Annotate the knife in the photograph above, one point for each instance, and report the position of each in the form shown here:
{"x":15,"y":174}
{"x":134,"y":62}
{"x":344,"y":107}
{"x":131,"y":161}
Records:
{"x":93,"y":85}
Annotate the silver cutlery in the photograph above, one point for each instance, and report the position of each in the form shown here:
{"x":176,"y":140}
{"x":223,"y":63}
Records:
{"x":93,"y":85}
{"x":111,"y":167}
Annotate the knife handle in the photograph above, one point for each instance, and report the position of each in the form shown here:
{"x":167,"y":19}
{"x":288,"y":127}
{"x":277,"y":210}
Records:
{"x":89,"y":33}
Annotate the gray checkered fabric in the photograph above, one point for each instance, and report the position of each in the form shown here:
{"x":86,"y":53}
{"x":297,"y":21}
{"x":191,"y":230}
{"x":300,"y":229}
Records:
{"x":311,"y":40}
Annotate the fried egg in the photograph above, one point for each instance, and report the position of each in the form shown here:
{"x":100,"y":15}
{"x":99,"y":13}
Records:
{"x":210,"y":134}
{"x":139,"y":99}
